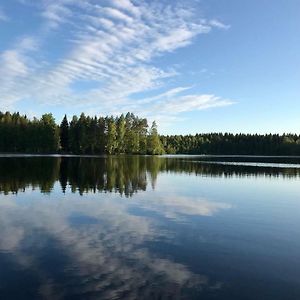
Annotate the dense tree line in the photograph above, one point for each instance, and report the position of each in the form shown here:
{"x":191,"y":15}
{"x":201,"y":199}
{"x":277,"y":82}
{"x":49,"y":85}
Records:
{"x":112,"y":135}
{"x":232,"y":144}
{"x":84,"y":135}
{"x":128,"y":135}
{"x":19,"y":134}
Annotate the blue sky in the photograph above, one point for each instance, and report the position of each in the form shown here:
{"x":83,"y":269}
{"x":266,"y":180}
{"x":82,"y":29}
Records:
{"x":193,"y":65}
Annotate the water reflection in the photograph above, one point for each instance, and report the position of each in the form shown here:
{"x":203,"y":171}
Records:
{"x":92,"y":250}
{"x":67,"y":234}
{"x":124,"y":174}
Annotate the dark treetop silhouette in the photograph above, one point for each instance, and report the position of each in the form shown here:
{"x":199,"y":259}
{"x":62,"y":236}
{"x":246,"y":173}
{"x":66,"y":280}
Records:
{"x":128,"y":134}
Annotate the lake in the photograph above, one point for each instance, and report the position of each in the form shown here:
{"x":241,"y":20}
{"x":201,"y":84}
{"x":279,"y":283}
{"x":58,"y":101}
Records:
{"x":143,"y":227}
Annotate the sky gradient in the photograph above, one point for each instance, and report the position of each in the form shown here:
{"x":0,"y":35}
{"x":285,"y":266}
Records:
{"x":194,"y":66}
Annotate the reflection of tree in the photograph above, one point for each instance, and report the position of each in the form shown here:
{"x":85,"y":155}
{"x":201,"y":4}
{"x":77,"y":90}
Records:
{"x":119,"y":174}
{"x":63,"y":174}
{"x":154,"y":165}
{"x":125,"y":174}
{"x":19,"y":173}
{"x":197,"y":167}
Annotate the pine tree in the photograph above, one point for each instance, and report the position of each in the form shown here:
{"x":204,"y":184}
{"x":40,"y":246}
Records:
{"x":121,"y":130}
{"x":74,"y":135}
{"x":101,"y":135}
{"x":64,"y":134}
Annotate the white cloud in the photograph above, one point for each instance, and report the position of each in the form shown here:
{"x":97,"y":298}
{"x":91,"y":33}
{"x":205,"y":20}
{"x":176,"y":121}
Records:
{"x":3,"y":16}
{"x":16,"y":70}
{"x":193,"y":102}
{"x":27,"y":43}
{"x":127,"y":6}
{"x":219,"y":24}
{"x":116,"y":14}
{"x":56,"y":12}
{"x":166,"y":107}
{"x":179,"y":37}
{"x":114,"y":44}
{"x":166,"y":95}
{"x":13,"y":64}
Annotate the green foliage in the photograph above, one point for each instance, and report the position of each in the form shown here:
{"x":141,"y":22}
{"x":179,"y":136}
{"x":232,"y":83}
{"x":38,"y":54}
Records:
{"x":19,"y":134}
{"x":121,"y":130}
{"x":83,"y":135}
{"x":232,"y":144}
{"x":128,"y":135}
{"x":111,"y":144}
{"x":154,"y":143}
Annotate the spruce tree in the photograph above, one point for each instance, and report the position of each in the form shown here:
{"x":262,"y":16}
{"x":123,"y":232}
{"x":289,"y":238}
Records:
{"x":64,"y":134}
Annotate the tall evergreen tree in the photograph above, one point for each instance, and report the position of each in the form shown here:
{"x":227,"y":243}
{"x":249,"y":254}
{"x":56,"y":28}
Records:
{"x":64,"y":134}
{"x":74,"y":135}
{"x":101,"y":135}
{"x":121,"y":130}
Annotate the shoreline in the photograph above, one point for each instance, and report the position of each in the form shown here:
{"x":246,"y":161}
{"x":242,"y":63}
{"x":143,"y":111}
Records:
{"x":163,"y":155}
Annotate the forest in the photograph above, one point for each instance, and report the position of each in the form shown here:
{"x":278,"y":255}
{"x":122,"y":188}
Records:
{"x":128,"y":134}
{"x":232,"y":144}
{"x":82,"y":135}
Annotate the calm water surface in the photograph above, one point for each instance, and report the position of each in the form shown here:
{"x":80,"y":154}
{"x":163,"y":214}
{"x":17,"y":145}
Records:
{"x":133,"y":227}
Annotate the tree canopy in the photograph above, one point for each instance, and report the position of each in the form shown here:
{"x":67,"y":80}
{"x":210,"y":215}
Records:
{"x":82,"y":135}
{"x":232,"y":144}
{"x":128,"y":134}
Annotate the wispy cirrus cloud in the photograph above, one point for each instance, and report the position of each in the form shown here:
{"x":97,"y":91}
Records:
{"x":3,"y":16}
{"x":114,"y":45}
{"x":174,"y":101}
{"x":193,"y":102}
{"x":16,"y":65}
{"x":218,"y":24}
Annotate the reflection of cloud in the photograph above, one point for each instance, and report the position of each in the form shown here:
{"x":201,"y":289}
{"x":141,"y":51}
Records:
{"x":176,"y":272}
{"x":11,"y":234}
{"x":175,"y":207}
{"x":106,"y":250}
